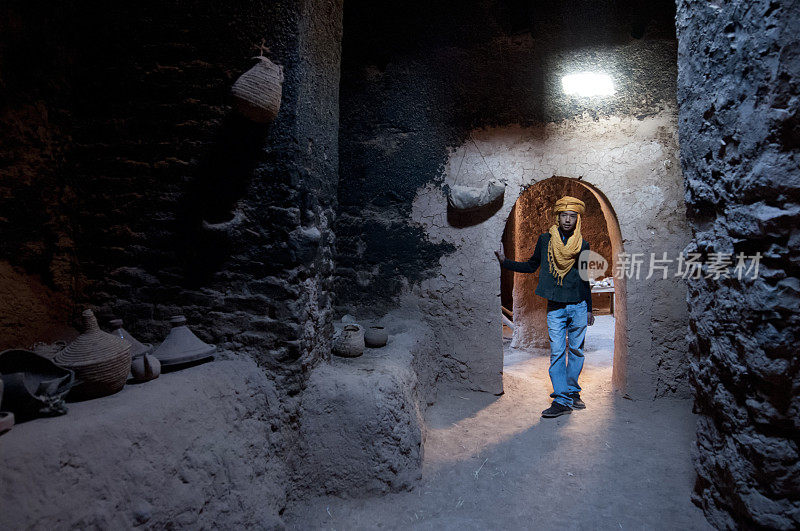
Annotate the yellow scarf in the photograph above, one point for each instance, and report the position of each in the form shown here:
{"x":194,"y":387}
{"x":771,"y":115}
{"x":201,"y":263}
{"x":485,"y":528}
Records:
{"x":561,"y":256}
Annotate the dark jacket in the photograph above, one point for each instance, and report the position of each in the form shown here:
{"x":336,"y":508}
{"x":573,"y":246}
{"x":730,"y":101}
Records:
{"x":573,"y":289}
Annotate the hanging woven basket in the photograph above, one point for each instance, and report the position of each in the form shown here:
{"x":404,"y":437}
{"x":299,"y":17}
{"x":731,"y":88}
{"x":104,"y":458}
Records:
{"x":101,"y":361}
{"x":257,"y":92}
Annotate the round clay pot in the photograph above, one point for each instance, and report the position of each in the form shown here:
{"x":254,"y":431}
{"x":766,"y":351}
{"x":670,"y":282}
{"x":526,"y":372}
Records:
{"x":145,"y":368}
{"x":6,"y":418}
{"x":350,"y":343}
{"x":6,"y":421}
{"x":376,"y":337}
{"x":137,"y":348}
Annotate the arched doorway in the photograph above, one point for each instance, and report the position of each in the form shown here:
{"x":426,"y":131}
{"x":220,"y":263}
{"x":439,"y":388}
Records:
{"x":526,"y":334}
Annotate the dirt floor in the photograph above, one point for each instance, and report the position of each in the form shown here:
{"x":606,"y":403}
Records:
{"x":494,"y":463}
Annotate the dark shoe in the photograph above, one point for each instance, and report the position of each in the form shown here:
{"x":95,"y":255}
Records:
{"x":577,"y":403}
{"x":555,"y":410}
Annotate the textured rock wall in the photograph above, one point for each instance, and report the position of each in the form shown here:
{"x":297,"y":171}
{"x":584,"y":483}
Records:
{"x":131,"y":186}
{"x":739,"y":80}
{"x":37,"y":246}
{"x":32,"y":311}
{"x":128,"y":184}
{"x":418,"y":78}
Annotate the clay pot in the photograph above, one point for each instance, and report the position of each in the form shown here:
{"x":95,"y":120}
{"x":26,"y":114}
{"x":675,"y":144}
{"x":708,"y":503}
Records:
{"x":101,"y":361}
{"x":181,"y":346}
{"x":257,"y":92}
{"x":350,"y":342}
{"x":137,"y":348}
{"x":6,"y":418}
{"x":376,"y":337}
{"x":6,"y":421}
{"x":145,"y":368}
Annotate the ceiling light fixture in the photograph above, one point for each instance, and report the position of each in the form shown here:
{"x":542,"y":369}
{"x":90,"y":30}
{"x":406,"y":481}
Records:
{"x":588,"y":84}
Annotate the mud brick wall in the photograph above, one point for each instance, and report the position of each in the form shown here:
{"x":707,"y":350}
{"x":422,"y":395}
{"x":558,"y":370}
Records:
{"x":421,"y":81}
{"x":739,"y":80}
{"x":129,"y":184}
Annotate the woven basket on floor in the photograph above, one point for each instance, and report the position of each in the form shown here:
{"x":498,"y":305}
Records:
{"x":257,"y":92}
{"x":101,"y":361}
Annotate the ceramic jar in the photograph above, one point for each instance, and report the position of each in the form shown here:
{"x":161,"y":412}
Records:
{"x":350,"y":342}
{"x":376,"y":337}
{"x":145,"y":368}
{"x":182,"y":347}
{"x":137,"y":348}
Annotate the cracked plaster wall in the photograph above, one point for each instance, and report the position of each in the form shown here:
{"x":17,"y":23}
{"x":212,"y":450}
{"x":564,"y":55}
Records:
{"x":634,"y":163}
{"x":418,"y":78}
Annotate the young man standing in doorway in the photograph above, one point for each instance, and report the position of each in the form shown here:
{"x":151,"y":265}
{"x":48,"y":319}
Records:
{"x":569,"y":301}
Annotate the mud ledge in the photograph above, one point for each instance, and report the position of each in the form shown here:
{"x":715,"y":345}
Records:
{"x":198,"y":447}
{"x":362,"y":425}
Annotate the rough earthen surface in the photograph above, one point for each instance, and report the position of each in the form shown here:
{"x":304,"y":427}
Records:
{"x":32,"y":311}
{"x":199,"y":448}
{"x":739,"y":80}
{"x":362,"y":428}
{"x":494,"y":463}
{"x":129,"y":184}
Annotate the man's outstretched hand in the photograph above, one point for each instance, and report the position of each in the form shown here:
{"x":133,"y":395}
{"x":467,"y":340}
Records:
{"x":500,"y":256}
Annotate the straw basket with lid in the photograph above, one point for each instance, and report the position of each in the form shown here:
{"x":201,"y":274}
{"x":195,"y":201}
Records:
{"x":101,"y":361}
{"x":257,"y":92}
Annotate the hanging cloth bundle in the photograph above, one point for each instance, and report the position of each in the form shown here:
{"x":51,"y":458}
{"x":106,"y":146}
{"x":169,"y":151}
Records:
{"x":474,"y":197}
{"x":466,"y":198}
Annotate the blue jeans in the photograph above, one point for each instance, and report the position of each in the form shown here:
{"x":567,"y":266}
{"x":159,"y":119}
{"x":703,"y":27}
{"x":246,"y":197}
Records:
{"x":566,"y":320}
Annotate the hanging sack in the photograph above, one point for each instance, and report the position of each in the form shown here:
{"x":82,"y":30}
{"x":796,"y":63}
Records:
{"x":474,"y":197}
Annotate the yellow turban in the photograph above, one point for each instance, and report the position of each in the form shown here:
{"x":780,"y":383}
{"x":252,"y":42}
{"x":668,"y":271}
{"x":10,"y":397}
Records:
{"x":560,"y":256}
{"x":570,"y":203}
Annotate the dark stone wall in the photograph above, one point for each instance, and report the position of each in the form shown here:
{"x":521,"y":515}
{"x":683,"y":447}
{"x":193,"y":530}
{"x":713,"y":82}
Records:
{"x":739,"y":86}
{"x":418,"y":76}
{"x":128,"y":181}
